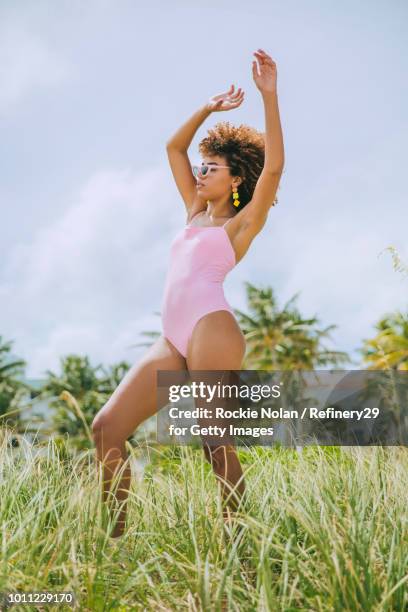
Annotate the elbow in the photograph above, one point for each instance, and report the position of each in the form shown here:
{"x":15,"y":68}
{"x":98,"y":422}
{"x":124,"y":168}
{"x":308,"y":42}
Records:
{"x":274,"y":166}
{"x":170,"y":146}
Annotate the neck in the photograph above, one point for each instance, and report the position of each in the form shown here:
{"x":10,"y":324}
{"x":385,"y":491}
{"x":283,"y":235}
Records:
{"x":219,"y":207}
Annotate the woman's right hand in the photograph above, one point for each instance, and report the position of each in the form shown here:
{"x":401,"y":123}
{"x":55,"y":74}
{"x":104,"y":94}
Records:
{"x":226,"y":101}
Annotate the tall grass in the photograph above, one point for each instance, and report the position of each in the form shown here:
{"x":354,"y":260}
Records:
{"x":321,"y":530}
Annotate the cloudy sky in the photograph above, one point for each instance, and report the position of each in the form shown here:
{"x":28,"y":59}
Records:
{"x":89,"y":94}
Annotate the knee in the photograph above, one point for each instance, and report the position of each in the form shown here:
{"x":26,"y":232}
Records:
{"x":107,"y":445}
{"x":100,"y":428}
{"x":97,"y":425}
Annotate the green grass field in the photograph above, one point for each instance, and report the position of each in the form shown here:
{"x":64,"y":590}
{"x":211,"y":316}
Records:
{"x":325,"y":529}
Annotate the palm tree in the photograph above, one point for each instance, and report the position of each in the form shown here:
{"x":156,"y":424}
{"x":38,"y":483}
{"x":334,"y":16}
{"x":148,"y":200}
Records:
{"x":113,"y":376}
{"x":282,"y":339}
{"x":389,"y":348}
{"x":78,"y":393}
{"x":153,"y":335}
{"x":388,"y":351}
{"x":12,"y":387}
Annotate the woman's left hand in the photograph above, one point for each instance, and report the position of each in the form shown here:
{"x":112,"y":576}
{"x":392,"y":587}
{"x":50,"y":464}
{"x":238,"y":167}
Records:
{"x":266,"y":81}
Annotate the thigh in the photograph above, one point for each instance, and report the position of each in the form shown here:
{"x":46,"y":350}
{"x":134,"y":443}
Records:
{"x":216,"y":343}
{"x":136,"y":397}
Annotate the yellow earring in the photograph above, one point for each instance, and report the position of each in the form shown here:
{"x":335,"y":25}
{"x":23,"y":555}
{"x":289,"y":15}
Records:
{"x":235,"y":195}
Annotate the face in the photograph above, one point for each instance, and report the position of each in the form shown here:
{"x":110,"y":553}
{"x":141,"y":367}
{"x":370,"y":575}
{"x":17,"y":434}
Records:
{"x":218,"y":181}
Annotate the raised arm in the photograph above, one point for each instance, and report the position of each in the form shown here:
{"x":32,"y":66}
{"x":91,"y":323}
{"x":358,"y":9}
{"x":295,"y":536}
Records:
{"x":264,"y":194}
{"x":177,"y":145}
{"x":178,"y":158}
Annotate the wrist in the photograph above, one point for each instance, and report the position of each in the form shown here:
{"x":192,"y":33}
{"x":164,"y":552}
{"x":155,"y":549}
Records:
{"x":207,"y":109}
{"x":269,"y":94}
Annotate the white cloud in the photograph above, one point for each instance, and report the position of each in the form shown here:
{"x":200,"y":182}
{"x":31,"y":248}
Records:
{"x":92,"y":280}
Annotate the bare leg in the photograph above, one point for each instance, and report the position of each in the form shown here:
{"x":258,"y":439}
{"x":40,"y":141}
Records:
{"x":217,"y":343}
{"x":133,"y":401}
{"x":228,"y":471}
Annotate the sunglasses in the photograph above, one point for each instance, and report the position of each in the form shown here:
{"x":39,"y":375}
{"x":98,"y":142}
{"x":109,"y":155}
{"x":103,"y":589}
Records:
{"x":205,"y":169}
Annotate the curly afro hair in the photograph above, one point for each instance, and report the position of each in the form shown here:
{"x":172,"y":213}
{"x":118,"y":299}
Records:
{"x":244,"y":149}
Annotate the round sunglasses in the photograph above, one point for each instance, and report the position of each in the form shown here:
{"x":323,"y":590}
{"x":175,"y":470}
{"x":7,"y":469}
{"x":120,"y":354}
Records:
{"x":206,"y":169}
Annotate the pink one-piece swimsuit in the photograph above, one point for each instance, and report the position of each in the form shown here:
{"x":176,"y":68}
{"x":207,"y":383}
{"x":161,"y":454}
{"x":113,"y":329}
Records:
{"x":200,"y":259}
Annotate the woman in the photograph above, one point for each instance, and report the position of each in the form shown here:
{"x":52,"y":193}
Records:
{"x":232,"y":193}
